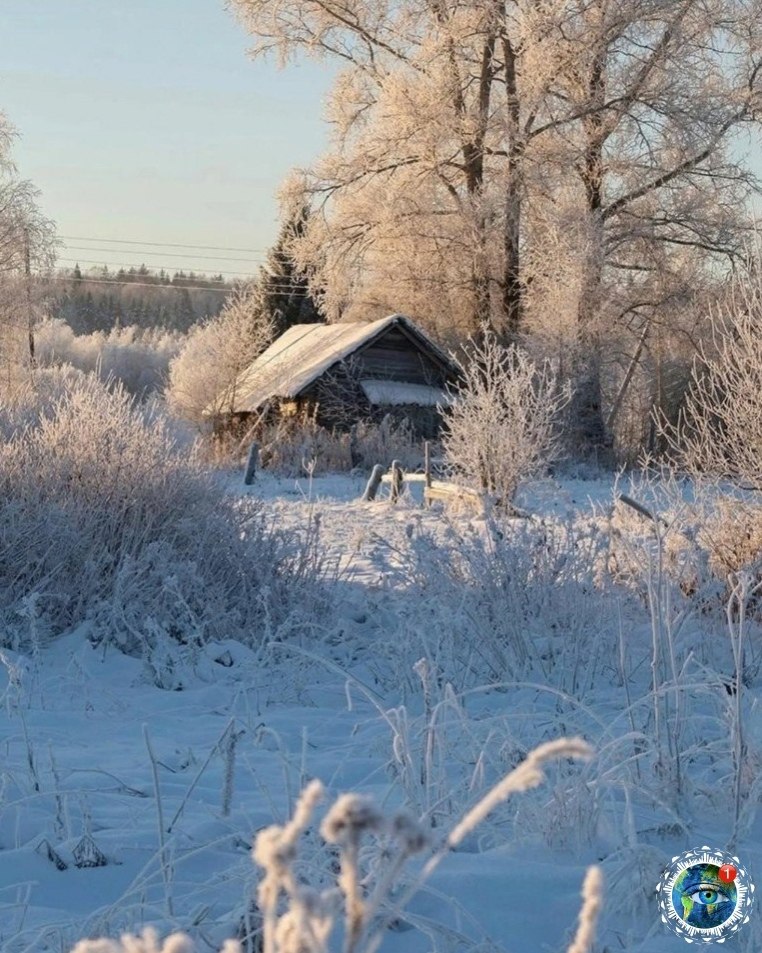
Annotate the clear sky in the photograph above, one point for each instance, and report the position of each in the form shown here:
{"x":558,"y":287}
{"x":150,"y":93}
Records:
{"x":144,"y":120}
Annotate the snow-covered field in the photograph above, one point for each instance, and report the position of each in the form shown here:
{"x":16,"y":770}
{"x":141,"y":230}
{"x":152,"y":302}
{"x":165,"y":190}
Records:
{"x":164,"y":790}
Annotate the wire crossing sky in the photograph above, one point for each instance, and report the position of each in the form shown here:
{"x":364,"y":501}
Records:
{"x":146,"y":122}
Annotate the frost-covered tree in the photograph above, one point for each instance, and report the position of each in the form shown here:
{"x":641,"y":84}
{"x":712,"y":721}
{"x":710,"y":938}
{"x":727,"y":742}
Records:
{"x":202,"y":377}
{"x":719,"y":433}
{"x":25,"y":234}
{"x":506,"y":161}
{"x":26,"y":246}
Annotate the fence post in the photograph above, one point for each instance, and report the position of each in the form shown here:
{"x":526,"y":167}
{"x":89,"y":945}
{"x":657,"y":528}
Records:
{"x":251,"y":464}
{"x":373,"y":484}
{"x":396,"y":480}
{"x":426,"y":473}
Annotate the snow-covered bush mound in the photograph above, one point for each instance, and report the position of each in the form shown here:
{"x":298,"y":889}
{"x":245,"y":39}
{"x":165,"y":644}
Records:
{"x":138,"y":358}
{"x":106,"y":518}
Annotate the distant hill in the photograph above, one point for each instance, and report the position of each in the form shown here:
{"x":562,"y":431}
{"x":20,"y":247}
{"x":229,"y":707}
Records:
{"x":100,"y":300}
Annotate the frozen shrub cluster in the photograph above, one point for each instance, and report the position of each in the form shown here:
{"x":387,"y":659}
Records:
{"x":702,"y":532}
{"x":106,"y":518}
{"x":138,"y":358}
{"x":287,"y":446}
{"x":731,"y":535}
{"x":502,"y":425}
{"x":203,"y":374}
{"x":493,"y":587}
{"x":719,"y":432}
{"x":297,"y":918}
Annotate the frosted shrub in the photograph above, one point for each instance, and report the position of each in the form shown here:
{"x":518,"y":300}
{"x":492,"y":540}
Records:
{"x":704,"y":538}
{"x":109,"y":520}
{"x":138,"y":358}
{"x":502,"y":427}
{"x":732,"y":537}
{"x":297,"y":918}
{"x":203,"y":375}
{"x":719,"y":433}
{"x":24,"y":405}
{"x":289,"y":444}
{"x":512,"y":597}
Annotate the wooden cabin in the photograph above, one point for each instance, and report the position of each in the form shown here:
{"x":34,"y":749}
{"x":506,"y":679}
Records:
{"x":344,"y":373}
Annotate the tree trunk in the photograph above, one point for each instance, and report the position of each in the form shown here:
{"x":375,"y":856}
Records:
{"x":593,"y":434}
{"x":513,"y":288}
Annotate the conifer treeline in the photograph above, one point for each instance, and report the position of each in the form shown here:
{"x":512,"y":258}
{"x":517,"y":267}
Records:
{"x":147,"y":299}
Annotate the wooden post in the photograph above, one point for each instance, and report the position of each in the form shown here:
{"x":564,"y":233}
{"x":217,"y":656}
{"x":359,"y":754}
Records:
{"x":354,"y":455}
{"x":373,"y":484}
{"x":396,"y":480}
{"x":29,"y":308}
{"x":251,"y":464}
{"x":426,"y":473}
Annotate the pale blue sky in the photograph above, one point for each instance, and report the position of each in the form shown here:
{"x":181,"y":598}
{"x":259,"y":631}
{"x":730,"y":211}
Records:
{"x":145,"y":120}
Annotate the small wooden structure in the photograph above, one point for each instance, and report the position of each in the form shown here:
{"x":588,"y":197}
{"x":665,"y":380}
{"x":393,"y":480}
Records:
{"x":343,"y":373}
{"x":433,"y":490}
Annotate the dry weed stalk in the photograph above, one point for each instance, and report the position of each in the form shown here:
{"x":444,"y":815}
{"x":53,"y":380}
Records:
{"x":307,"y":924}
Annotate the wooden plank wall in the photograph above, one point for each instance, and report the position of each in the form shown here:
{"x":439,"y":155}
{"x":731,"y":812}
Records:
{"x":395,"y":357}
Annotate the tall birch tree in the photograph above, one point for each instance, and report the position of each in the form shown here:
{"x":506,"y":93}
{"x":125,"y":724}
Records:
{"x":26,"y":247}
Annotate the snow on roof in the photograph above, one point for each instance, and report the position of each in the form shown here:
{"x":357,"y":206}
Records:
{"x":304,"y":352}
{"x":393,"y":393}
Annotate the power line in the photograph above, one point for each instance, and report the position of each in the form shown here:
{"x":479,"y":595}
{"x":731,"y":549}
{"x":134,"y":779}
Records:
{"x":297,"y":291}
{"x":126,"y":251}
{"x":278,"y":284}
{"x":127,"y":241}
{"x":137,"y":284}
{"x":110,"y":264}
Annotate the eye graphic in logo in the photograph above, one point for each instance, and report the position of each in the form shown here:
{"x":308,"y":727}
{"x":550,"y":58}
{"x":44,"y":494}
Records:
{"x":705,"y":895}
{"x":701,"y":898}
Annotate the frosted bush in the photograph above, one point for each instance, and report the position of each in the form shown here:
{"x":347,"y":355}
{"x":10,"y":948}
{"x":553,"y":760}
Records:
{"x":138,"y":358}
{"x":511,"y":597}
{"x":109,"y":520}
{"x":719,"y":433}
{"x":203,"y":375}
{"x":502,"y":426}
{"x":707,"y":531}
{"x":287,"y":445}
{"x":24,"y":405}
{"x":732,"y":537}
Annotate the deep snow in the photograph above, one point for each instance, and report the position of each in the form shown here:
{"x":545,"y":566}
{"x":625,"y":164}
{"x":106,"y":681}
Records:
{"x":75,"y":764}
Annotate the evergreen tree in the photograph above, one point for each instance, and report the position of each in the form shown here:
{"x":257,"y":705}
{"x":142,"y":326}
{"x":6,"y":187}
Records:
{"x":283,"y":287}
{"x":185,"y":316}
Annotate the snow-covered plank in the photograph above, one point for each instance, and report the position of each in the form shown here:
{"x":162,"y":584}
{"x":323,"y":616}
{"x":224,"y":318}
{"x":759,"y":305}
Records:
{"x":397,"y":393}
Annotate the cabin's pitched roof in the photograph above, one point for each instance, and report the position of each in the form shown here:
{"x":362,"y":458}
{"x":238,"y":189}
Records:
{"x":306,"y":351}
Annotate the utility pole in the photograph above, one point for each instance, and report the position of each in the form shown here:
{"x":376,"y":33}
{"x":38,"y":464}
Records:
{"x":29,"y":308}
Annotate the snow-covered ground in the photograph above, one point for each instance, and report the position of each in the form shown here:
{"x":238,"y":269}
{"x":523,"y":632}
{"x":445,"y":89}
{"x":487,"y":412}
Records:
{"x":166,"y":789}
